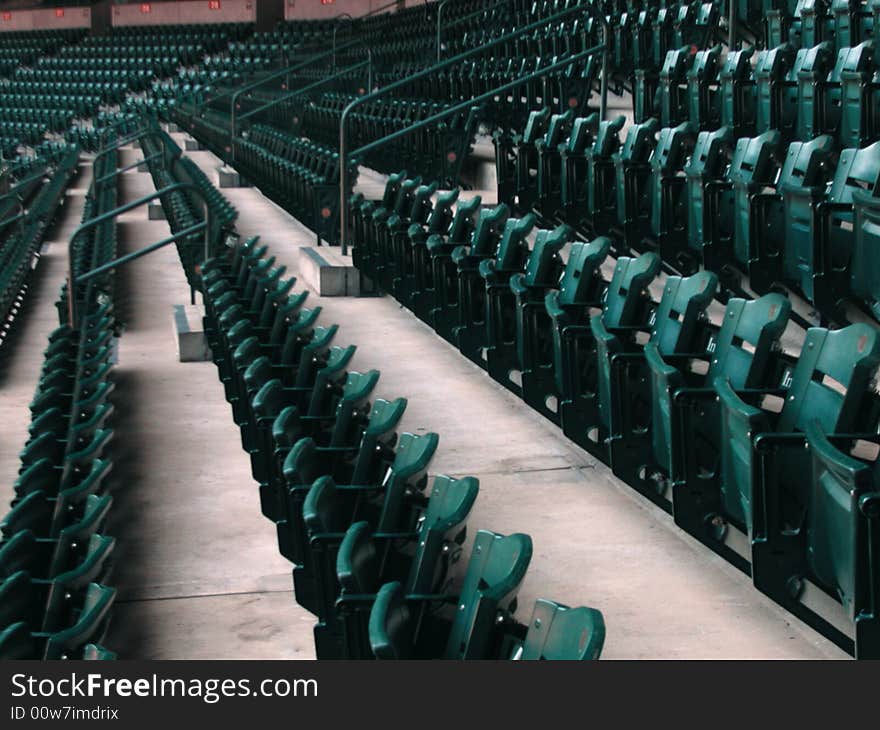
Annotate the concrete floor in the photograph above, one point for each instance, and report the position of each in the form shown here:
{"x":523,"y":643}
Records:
{"x":596,"y":542}
{"x":198,"y":571}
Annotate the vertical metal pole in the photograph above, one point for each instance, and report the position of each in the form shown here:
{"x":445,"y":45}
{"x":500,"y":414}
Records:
{"x":232,"y":116}
{"x":209,"y":219}
{"x":343,"y":182}
{"x":603,"y":88}
{"x":439,"y":24}
{"x":19,"y":198}
{"x":370,"y":70}
{"x":731,"y":22}
{"x":336,"y":28}
{"x":71,"y":303}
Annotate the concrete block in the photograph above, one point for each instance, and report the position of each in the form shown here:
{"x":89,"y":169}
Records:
{"x":192,"y":346}
{"x":329,"y":273}
{"x":155,"y":212}
{"x":228,"y":177}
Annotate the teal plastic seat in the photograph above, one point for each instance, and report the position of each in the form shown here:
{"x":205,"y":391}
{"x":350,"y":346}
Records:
{"x":745,"y":350}
{"x":367,"y":559}
{"x":541,"y":322}
{"x":557,"y":632}
{"x":829,"y":384}
{"x":627,"y":304}
{"x":510,"y":287}
{"x":495,"y":570}
{"x":841,"y":523}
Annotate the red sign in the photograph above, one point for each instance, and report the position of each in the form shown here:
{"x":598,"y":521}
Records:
{"x":327,"y":2}
{"x":213,"y":4}
{"x":59,"y":12}
{"x":146,"y":8}
{"x":7,"y":16}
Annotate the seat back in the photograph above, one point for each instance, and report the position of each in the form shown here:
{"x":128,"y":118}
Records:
{"x":748,"y":337}
{"x":582,"y":133}
{"x":775,"y":108}
{"x":682,"y":310}
{"x":357,"y":562}
{"x":557,"y":632}
{"x":513,"y":249}
{"x":391,"y":629}
{"x":407,"y":473}
{"x":831,"y":380}
{"x":627,"y":298}
{"x":377,"y":438}
{"x":752,"y":167}
{"x":865,"y":267}
{"x":581,"y":280}
{"x":497,"y":566}
{"x":707,"y":162}
{"x":543,"y":265}
{"x":858,"y":171}
{"x":89,"y":627}
{"x":488,"y":231}
{"x":607,"y":140}
{"x":441,"y":214}
{"x":462,"y":227}
{"x":449,"y":505}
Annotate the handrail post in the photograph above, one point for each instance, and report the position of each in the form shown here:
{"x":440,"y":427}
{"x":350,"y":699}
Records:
{"x":343,"y":180}
{"x":731,"y":22}
{"x":110,"y":214}
{"x":336,"y":28}
{"x":603,"y":84}
{"x":439,"y":24}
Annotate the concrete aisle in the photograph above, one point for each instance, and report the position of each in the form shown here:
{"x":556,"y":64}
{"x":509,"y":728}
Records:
{"x":21,"y":356}
{"x":595,"y":541}
{"x":198,"y":572}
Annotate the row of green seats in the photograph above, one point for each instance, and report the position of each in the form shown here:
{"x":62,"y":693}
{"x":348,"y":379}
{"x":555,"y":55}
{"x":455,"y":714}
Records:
{"x":185,"y":208}
{"x":697,"y":407}
{"x":55,"y":559}
{"x":756,"y":211}
{"x":351,"y":499}
{"x":38,"y":187}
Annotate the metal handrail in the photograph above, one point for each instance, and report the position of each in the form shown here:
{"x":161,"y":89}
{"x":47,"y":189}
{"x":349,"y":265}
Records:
{"x":428,"y":121}
{"x":304,"y":89}
{"x":110,"y":214}
{"x":148,"y":131}
{"x":462,"y":106}
{"x":275,"y":74}
{"x":474,"y":14}
{"x":376,"y":11}
{"x":115,"y":125}
{"x":248,"y":87}
{"x":120,"y":170}
{"x":343,"y":128}
{"x":14,"y":189}
{"x":233,"y":122}
{"x":20,"y":216}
